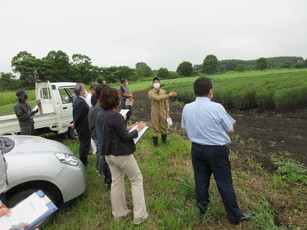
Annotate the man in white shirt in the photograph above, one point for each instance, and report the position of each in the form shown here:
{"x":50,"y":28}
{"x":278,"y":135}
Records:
{"x":89,"y":95}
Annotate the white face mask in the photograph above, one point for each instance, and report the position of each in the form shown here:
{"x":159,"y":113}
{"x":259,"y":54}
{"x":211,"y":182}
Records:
{"x":126,"y":83}
{"x":156,"y":85}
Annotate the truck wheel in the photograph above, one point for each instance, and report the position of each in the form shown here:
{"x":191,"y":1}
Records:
{"x":72,"y":134}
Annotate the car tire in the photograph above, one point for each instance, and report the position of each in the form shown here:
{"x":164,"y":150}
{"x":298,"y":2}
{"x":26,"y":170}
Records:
{"x":16,"y":198}
{"x":72,"y":134}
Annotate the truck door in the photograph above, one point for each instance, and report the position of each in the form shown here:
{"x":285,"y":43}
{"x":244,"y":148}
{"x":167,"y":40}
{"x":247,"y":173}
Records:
{"x":43,"y":94}
{"x":65,"y":93}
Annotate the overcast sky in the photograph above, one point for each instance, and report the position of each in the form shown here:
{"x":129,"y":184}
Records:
{"x":161,"y":33}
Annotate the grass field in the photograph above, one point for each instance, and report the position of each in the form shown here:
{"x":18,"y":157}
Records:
{"x":169,"y":192}
{"x":168,"y":173}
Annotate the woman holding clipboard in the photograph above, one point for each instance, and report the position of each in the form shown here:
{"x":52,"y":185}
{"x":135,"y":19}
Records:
{"x":118,"y":147}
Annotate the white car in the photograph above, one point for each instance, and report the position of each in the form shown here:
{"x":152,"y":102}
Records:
{"x":36,"y":163}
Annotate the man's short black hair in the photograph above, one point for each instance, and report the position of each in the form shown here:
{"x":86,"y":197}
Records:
{"x":202,"y":86}
{"x":99,"y":89}
{"x":93,"y":86}
{"x":155,"y":78}
{"x":123,"y":80}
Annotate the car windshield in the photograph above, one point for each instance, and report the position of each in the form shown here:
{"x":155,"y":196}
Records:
{"x":6,"y":144}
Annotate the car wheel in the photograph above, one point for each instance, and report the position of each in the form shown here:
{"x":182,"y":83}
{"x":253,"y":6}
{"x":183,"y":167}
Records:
{"x":17,"y":197}
{"x":72,"y":134}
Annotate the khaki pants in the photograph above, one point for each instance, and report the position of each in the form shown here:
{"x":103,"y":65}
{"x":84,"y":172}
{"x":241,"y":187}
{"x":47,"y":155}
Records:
{"x":121,"y":166}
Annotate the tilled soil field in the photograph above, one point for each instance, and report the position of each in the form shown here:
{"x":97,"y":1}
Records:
{"x":283,"y":133}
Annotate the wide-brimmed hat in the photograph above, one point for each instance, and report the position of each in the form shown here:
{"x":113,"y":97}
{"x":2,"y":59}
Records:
{"x":21,"y":93}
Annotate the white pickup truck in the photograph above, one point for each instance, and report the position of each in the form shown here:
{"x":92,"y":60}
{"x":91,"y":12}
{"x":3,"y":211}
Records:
{"x":55,"y":114}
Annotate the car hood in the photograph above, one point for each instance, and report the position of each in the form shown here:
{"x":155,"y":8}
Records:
{"x":26,"y":143}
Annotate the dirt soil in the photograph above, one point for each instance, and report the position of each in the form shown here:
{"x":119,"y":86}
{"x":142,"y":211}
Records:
{"x":284,"y":133}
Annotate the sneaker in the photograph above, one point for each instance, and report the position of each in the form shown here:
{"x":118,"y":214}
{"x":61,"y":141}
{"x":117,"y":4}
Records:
{"x":246,"y":217}
{"x":141,"y":220}
{"x":120,"y":218}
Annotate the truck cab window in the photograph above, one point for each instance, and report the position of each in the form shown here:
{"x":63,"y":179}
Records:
{"x":45,"y":93}
{"x":66,"y":95}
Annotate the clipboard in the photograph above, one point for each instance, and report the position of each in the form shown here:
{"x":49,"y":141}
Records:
{"x":32,"y":210}
{"x":140,"y":134}
{"x":129,"y":102}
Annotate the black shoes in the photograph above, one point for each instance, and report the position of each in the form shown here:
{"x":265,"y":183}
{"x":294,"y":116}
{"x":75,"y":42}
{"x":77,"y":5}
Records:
{"x":155,"y":141}
{"x":203,"y":206}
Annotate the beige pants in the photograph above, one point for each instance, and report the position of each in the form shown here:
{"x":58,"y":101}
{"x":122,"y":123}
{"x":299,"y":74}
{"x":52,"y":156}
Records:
{"x":121,"y":166}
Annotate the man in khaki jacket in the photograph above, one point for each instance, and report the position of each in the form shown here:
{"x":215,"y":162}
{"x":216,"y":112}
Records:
{"x":159,"y":110}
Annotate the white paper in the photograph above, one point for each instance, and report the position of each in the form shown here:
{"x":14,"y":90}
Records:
{"x":169,"y":122}
{"x":26,"y":211}
{"x":136,"y":139}
{"x":123,"y":112}
{"x":35,"y":108}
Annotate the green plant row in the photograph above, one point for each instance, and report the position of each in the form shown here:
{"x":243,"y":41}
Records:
{"x":277,"y":90}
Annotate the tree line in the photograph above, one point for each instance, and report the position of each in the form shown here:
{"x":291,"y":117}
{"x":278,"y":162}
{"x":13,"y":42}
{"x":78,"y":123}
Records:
{"x":58,"y":66}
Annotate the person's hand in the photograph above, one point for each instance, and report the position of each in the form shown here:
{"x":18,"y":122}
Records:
{"x":172,"y":94}
{"x":72,"y":125}
{"x":131,"y":126}
{"x":19,"y":226}
{"x":5,"y":211}
{"x":125,"y":117}
{"x":39,"y":103}
{"x":141,"y":126}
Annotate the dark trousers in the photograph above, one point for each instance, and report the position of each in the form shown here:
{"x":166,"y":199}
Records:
{"x":85,"y":144}
{"x":102,"y":166}
{"x":128,"y":115}
{"x":215,"y":159}
{"x":27,"y":130}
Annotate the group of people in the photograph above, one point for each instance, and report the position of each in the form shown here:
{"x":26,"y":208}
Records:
{"x":114,"y":143}
{"x":208,"y":127}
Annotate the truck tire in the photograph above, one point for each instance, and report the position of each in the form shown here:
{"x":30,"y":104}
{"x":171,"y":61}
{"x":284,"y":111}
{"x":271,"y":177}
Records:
{"x":72,"y":134}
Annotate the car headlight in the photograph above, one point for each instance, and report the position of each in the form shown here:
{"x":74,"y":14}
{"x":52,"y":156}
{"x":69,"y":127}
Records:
{"x":67,"y":159}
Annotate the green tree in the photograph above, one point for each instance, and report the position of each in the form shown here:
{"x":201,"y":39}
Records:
{"x":8,"y":81}
{"x":299,"y":65}
{"x":143,"y":70}
{"x":262,"y":63}
{"x":240,"y":67}
{"x":26,"y":65}
{"x":286,"y":64}
{"x":163,"y":73}
{"x":222,"y":68}
{"x":7,"y":76}
{"x":185,"y":69}
{"x":82,"y":69}
{"x":56,"y":67}
{"x":210,"y":64}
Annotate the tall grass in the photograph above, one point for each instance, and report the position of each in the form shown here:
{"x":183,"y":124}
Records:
{"x":9,"y":97}
{"x":275,"y":89}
